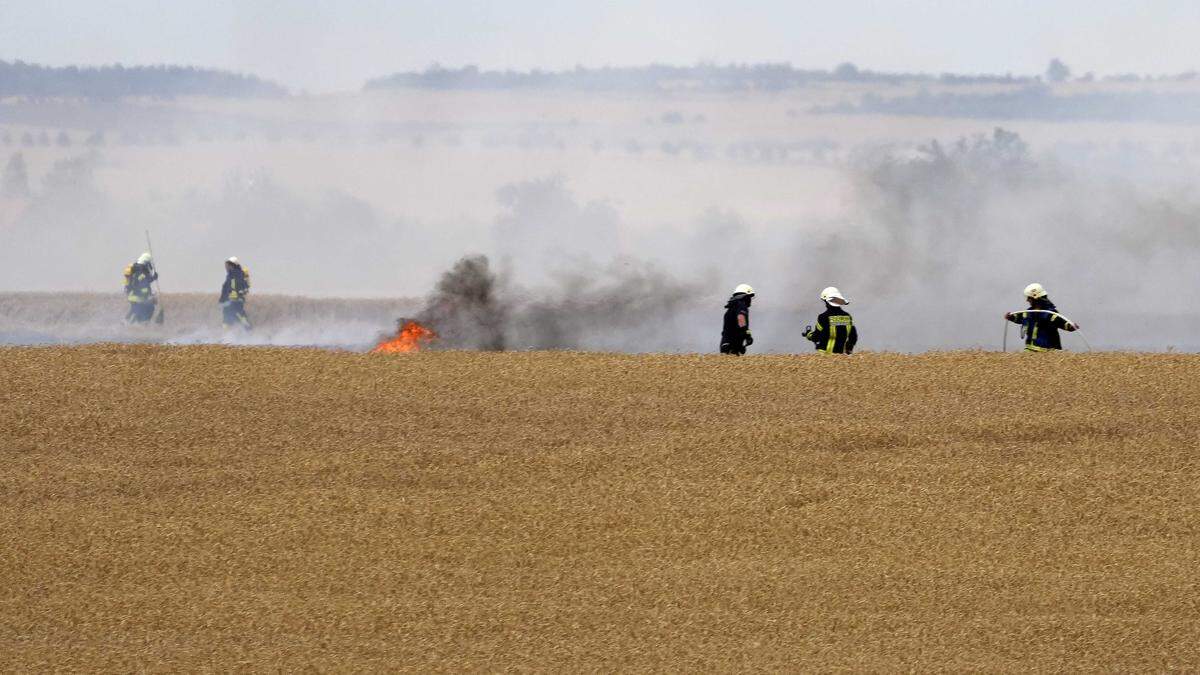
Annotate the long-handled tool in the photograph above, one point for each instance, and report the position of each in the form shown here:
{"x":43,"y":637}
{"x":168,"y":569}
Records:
{"x":161,"y":316}
{"x":1043,"y":311}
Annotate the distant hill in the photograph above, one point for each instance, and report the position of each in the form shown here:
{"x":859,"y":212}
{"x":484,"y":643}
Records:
{"x":735,"y":77}
{"x":110,"y":82}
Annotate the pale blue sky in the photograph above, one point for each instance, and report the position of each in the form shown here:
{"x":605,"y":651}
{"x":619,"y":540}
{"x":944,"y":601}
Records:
{"x":324,"y":45}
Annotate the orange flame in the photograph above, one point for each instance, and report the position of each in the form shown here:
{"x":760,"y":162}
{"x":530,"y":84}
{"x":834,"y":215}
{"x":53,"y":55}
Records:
{"x":411,"y":337}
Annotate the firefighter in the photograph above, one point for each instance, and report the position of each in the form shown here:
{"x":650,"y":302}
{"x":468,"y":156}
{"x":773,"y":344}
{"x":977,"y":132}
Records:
{"x":233,"y":294}
{"x":1041,"y":322}
{"x":138,"y":289}
{"x":735,"y":332}
{"x":835,"y":332}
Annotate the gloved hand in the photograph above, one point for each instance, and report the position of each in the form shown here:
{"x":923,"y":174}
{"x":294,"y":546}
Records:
{"x":749,"y":339}
{"x":1008,"y":316}
{"x":808,"y":332}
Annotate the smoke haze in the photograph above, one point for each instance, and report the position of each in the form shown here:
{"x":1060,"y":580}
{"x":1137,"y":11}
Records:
{"x":542,"y":220}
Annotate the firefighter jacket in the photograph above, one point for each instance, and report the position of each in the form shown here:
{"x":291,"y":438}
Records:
{"x":236,"y":286}
{"x":138,"y":279}
{"x":1040,"y":325}
{"x":734,"y":332}
{"x":835,"y":332}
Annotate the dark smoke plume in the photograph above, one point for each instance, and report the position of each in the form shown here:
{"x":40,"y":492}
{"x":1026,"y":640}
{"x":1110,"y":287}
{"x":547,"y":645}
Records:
{"x":466,"y":309}
{"x":628,"y":305}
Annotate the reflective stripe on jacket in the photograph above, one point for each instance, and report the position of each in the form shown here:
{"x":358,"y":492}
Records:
{"x":835,"y":332}
{"x":138,"y":280}
{"x":1040,"y":325}
{"x":236,"y":286}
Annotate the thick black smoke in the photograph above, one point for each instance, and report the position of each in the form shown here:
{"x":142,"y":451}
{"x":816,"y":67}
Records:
{"x":627,"y":305}
{"x":466,"y":308}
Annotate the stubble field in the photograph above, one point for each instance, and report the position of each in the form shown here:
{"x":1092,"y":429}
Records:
{"x":218,"y":508}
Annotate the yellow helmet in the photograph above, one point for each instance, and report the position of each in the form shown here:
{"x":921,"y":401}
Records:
{"x":1034,"y":291}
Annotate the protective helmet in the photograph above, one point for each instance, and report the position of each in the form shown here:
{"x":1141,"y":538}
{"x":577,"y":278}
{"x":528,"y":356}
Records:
{"x":232,"y":259}
{"x":1034,"y":291}
{"x":144,"y":259}
{"x":834,"y":297}
{"x":745,"y":289}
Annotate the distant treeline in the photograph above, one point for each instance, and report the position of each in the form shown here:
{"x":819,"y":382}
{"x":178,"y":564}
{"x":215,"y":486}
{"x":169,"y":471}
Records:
{"x":111,"y":82}
{"x":1035,"y":102}
{"x":709,"y":77}
{"x":766,"y":76}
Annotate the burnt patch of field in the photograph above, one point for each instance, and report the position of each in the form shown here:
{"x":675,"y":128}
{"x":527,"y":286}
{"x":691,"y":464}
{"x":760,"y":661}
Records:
{"x":195,"y":318}
{"x":216,"y":508}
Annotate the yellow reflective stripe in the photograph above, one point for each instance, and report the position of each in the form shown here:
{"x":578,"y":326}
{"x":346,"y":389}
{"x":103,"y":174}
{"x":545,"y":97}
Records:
{"x":838,"y":323}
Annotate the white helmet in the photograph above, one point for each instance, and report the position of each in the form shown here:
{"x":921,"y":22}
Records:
{"x":232,"y":259}
{"x":745,"y":289}
{"x":834,"y":297}
{"x":144,"y":259}
{"x":1035,"y":291}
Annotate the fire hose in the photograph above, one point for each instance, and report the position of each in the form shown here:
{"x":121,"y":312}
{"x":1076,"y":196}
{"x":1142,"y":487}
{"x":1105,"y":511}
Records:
{"x":1042,"y":311}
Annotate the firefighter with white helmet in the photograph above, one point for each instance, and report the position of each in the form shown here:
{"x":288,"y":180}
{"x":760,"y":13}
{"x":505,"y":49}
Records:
{"x":139,"y":290}
{"x":835,"y":332}
{"x":1041,"y":322}
{"x":233,"y":294}
{"x":735,"y":330}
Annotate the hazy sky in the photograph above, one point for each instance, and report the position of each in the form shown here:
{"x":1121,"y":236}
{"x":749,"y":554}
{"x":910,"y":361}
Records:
{"x":323,"y":45}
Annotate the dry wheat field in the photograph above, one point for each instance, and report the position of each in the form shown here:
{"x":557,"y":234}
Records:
{"x":222,"y":508}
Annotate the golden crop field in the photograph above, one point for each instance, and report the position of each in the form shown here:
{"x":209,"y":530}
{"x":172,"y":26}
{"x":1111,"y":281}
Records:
{"x":220,"y":508}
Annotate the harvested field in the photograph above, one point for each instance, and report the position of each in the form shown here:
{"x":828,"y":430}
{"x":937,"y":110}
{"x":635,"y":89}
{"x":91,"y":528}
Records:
{"x":185,"y":508}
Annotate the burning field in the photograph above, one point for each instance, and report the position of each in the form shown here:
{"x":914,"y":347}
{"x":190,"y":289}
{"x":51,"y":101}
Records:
{"x":219,"y":508}
{"x":411,"y":336}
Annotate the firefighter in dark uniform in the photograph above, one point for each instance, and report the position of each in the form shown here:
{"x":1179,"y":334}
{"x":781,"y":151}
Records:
{"x":735,"y":331}
{"x":1041,"y":322}
{"x":233,"y":294}
{"x":835,"y":332}
{"x":139,"y":291}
